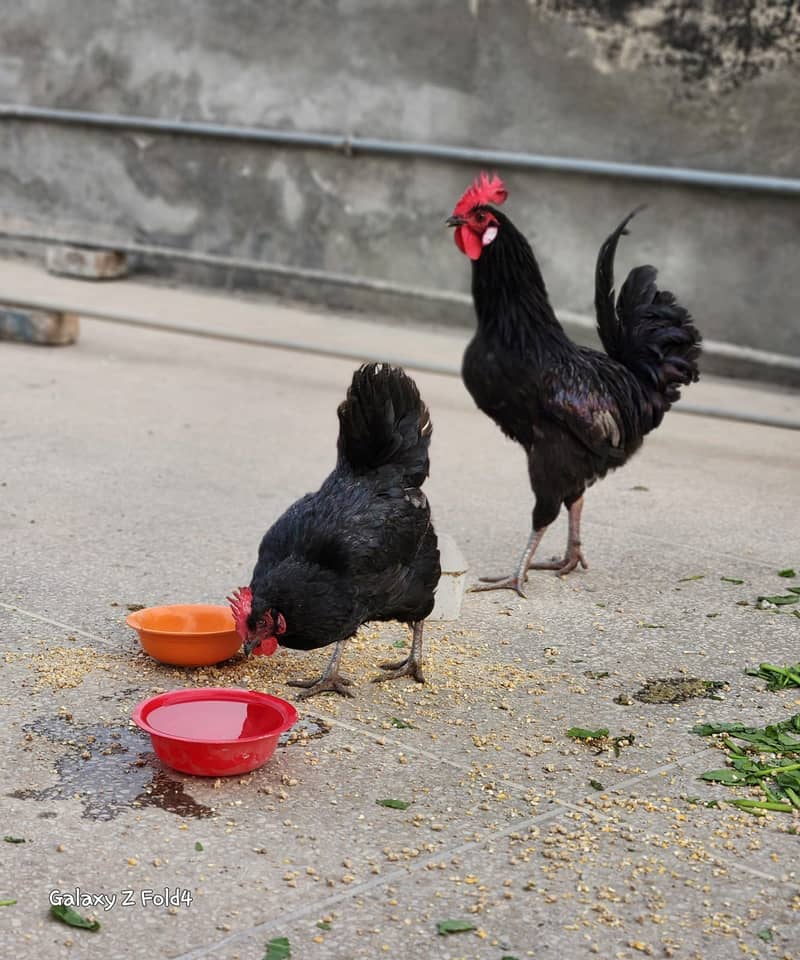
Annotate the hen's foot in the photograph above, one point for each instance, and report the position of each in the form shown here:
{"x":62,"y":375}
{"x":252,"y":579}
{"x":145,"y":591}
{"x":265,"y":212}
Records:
{"x":324,"y":684}
{"x":564,"y":565}
{"x":410,"y":667}
{"x":499,"y":583}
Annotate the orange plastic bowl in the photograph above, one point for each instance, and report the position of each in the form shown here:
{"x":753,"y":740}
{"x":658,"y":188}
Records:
{"x":216,"y":731}
{"x":189,"y":635}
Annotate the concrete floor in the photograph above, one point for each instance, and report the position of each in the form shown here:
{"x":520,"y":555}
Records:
{"x":140,"y":467}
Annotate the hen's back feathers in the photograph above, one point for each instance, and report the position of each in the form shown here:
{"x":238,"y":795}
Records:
{"x":383,"y":422}
{"x":646,"y":329}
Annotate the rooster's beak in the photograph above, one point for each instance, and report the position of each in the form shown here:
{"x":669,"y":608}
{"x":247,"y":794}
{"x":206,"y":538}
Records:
{"x":455,"y":221}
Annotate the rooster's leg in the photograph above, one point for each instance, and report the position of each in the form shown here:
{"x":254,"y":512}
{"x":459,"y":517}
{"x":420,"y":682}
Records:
{"x":573,"y":556}
{"x":412,"y":665}
{"x":518,"y":579}
{"x":331,"y":679}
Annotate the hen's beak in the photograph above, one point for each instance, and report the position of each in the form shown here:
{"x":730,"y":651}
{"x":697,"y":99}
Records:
{"x":250,"y":645}
{"x":455,"y":221}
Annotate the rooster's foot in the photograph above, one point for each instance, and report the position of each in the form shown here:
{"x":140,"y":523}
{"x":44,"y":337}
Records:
{"x":410,"y":667}
{"x":563,"y":565}
{"x":334,"y":684}
{"x":500,"y":583}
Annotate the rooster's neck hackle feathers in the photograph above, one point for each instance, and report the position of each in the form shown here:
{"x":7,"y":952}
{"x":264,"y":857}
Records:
{"x":509,"y":292}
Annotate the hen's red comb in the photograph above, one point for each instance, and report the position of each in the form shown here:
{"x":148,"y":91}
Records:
{"x":241,"y":602}
{"x":483,"y":191}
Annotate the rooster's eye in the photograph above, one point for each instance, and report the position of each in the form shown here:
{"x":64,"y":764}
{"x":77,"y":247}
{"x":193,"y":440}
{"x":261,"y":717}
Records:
{"x":480,"y":217}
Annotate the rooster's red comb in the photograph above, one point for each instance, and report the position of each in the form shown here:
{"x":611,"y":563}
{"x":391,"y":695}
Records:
{"x":484,"y":190}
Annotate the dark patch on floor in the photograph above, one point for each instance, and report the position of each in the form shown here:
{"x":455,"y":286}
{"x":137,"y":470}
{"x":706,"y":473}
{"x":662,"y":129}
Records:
{"x":678,"y":689}
{"x":306,"y":728}
{"x":109,"y":768}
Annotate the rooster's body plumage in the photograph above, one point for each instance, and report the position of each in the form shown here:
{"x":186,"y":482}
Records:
{"x":577,"y":412}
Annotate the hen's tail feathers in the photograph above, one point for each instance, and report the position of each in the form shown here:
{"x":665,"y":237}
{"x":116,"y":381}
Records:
{"x":384,"y":422}
{"x":646,"y":329}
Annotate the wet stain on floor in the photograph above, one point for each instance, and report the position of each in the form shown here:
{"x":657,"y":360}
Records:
{"x":110,"y":768}
{"x":678,"y":689}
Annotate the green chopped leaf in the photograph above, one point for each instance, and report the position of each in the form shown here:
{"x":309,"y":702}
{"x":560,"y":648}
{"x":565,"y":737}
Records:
{"x":766,"y":933}
{"x":401,"y":724}
{"x":767,"y":758}
{"x":446,"y":927}
{"x":697,"y":576}
{"x":198,"y":846}
{"x":778,"y":678}
{"x":639,"y":487}
{"x":731,"y":580}
{"x":781,"y":600}
{"x":596,"y":785}
{"x":706,"y":729}
{"x":581,"y":733}
{"x":723,"y":776}
{"x":399,"y":644}
{"x":596,"y":674}
{"x":788,"y":572}
{"x":712,"y":615}
{"x":793,"y":590}
{"x":278,"y":949}
{"x":394,"y":804}
{"x":324,"y":925}
{"x":73,"y":918}
{"x":507,"y":957}
{"x":7,"y":903}
{"x":653,"y":626}
{"x":15,"y":839}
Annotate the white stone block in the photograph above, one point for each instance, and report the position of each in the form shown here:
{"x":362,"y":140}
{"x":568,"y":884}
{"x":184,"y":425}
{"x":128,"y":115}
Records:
{"x":86,"y":263}
{"x":452,"y":584}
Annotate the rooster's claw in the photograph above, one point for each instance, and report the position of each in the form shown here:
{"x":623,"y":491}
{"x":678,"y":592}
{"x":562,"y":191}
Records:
{"x":499,"y":583}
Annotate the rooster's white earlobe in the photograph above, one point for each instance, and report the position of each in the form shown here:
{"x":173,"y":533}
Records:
{"x":488,"y":235}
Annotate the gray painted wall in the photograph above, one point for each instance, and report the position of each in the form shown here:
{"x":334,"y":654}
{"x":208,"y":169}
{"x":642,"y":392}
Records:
{"x":706,"y":84}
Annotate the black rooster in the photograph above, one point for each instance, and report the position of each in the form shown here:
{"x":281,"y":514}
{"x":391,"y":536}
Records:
{"x":577,"y":412}
{"x":362,"y":547}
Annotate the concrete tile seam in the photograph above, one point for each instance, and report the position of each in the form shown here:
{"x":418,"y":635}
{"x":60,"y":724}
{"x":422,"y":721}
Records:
{"x":57,"y":623}
{"x":353,"y":891}
{"x":559,"y":808}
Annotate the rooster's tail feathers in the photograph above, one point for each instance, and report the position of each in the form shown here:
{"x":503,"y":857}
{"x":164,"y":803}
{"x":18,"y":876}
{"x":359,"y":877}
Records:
{"x":383,"y":421}
{"x":646,"y":329}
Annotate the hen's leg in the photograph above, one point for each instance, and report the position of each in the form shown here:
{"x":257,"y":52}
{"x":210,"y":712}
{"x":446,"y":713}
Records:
{"x":573,"y":555}
{"x":331,"y":679}
{"x":516,"y":581}
{"x":412,"y":665}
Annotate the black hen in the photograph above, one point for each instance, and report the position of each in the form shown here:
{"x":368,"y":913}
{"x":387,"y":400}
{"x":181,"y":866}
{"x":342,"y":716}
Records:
{"x":362,"y":547}
{"x":577,"y":412}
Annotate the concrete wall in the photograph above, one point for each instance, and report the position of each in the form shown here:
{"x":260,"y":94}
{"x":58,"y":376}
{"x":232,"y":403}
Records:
{"x":706,"y":84}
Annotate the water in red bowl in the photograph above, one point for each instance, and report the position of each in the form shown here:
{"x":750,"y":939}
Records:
{"x":214,"y":732}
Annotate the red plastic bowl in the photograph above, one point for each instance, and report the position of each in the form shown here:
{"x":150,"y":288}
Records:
{"x":216,"y":731}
